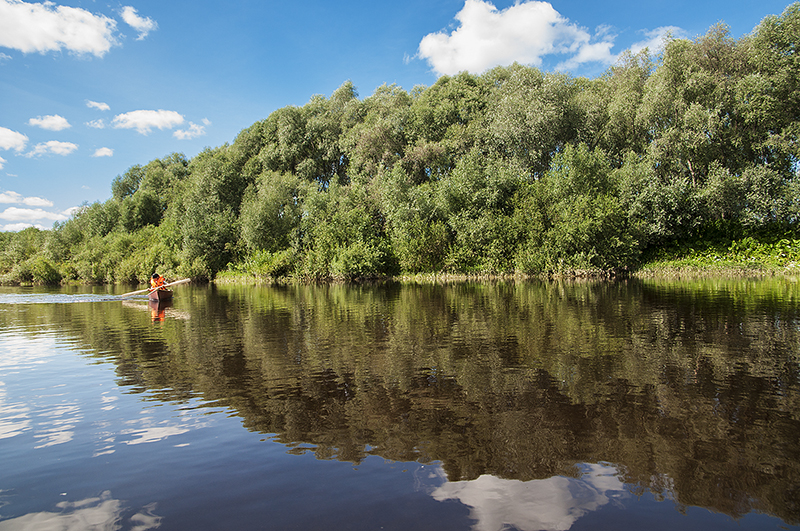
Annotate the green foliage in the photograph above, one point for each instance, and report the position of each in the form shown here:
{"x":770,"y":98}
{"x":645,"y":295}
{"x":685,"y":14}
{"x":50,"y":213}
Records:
{"x":580,"y":220}
{"x":265,"y":264}
{"x":511,"y":170}
{"x":43,"y":271}
{"x":271,"y":212}
{"x":125,"y":185}
{"x":421,"y":245}
{"x":139,"y":210}
{"x":344,"y":236}
{"x":532,"y":116}
{"x":475,"y":200}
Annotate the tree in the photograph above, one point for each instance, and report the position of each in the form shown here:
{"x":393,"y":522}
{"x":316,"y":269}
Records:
{"x":579,"y":221}
{"x":769,"y":97}
{"x":690,"y":108}
{"x":531,"y":117}
{"x":125,"y":185}
{"x":344,"y":236}
{"x":271,"y":212}
{"x":378,"y":141}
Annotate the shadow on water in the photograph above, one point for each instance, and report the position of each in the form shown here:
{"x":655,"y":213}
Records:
{"x":691,"y":389}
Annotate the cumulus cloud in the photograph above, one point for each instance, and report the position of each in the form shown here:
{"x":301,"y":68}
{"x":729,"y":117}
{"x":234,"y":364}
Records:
{"x":2,"y":161}
{"x":16,"y":227}
{"x":53,"y":146}
{"x":143,"y":25}
{"x":104,"y":152}
{"x":525,"y":33}
{"x":193,"y":132}
{"x":11,"y":139}
{"x":15,"y":198}
{"x":30,"y":214}
{"x":655,"y":39}
{"x":51,"y":122}
{"x":599,"y":52}
{"x":97,"y":124}
{"x":4,"y":57}
{"x":143,"y":121}
{"x":97,"y":105}
{"x":22,"y":218}
{"x":45,"y":27}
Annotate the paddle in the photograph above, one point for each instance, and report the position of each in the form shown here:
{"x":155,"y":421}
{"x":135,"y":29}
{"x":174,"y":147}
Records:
{"x":153,"y":289}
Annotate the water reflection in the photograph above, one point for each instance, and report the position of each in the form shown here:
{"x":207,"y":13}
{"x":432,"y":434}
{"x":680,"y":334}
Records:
{"x":552,"y":504}
{"x":102,"y":513}
{"x":691,"y":390}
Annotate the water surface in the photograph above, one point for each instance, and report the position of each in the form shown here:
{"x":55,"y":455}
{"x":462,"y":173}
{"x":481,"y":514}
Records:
{"x":482,"y":406}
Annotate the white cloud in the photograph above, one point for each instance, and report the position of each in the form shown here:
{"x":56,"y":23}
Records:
{"x":16,"y":227}
{"x":14,"y":197}
{"x":11,"y":139}
{"x":30,"y":214}
{"x":657,"y":38}
{"x":524,"y":32}
{"x":51,"y":122}
{"x":97,"y":105}
{"x":33,"y":27}
{"x":2,"y":161}
{"x":4,"y":57}
{"x":97,"y":124}
{"x":193,"y":132}
{"x":144,"y":121}
{"x":104,"y":152}
{"x":10,"y":197}
{"x":53,"y":146}
{"x":142,"y":25}
{"x":599,"y":52}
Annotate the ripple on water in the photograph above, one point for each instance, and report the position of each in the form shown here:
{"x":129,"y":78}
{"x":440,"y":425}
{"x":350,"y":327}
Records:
{"x":54,"y":298}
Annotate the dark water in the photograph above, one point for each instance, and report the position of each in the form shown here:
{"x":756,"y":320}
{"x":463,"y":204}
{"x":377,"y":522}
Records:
{"x":486,"y":406}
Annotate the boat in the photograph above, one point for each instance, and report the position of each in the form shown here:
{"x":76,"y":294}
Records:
{"x":160,"y":295}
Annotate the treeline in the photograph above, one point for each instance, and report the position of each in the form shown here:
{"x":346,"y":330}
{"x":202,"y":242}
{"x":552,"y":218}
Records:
{"x":514,"y":170}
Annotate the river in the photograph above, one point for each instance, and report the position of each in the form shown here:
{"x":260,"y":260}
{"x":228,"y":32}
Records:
{"x":453,"y":406}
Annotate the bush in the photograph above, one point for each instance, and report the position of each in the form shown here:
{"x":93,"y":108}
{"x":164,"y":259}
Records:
{"x":43,"y":271}
{"x":268,"y":264}
{"x":361,"y":260}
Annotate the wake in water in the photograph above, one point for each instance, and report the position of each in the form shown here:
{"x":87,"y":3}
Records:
{"x":61,"y":298}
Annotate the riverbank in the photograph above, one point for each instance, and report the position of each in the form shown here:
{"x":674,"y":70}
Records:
{"x":746,"y":257}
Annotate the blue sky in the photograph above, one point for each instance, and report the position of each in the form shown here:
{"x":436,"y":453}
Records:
{"x":88,"y":89}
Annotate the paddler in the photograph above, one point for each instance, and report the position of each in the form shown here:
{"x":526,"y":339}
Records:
{"x":157,"y":282}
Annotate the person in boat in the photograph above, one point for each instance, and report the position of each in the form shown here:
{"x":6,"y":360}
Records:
{"x":157,"y":282}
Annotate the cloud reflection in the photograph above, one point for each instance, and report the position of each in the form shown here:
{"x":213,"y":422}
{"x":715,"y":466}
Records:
{"x":153,"y":434}
{"x":552,"y":504}
{"x":103,"y":513}
{"x":60,"y":426}
{"x":14,"y":418}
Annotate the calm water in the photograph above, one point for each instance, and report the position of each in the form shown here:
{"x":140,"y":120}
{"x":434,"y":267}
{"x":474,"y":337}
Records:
{"x":487,"y":406}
